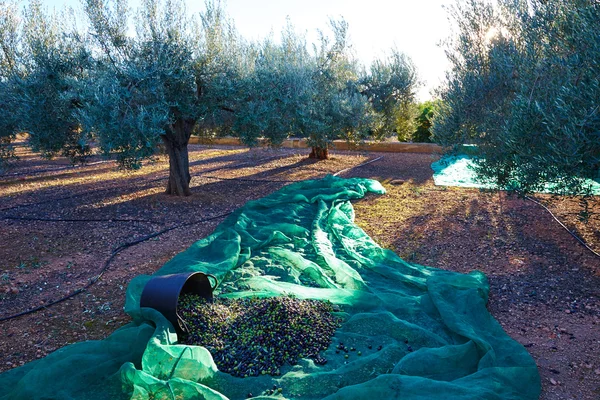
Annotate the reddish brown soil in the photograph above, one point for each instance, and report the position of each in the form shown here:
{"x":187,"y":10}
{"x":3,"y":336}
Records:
{"x":545,"y":287}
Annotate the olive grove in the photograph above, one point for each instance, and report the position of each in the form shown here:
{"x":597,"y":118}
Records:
{"x":132,"y":81}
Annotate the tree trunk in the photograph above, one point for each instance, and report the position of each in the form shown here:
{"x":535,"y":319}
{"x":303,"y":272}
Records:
{"x":176,"y":141}
{"x":320,"y":153}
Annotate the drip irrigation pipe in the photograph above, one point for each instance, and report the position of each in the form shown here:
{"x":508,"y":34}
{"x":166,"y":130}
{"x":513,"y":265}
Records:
{"x":17,"y":218}
{"x":124,"y":246}
{"x":107,"y":263}
{"x":564,"y":226}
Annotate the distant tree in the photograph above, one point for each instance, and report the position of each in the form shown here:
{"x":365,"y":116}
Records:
{"x":354,"y":115}
{"x":275,"y":89}
{"x":334,"y":70}
{"x":351,"y":104}
{"x":524,"y":87}
{"x":289,"y":91}
{"x":9,"y":47}
{"x":390,"y":87}
{"x":42,"y":62}
{"x":426,"y":111}
{"x":406,"y":120}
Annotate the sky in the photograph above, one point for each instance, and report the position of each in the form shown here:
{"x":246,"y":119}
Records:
{"x":375,"y":26}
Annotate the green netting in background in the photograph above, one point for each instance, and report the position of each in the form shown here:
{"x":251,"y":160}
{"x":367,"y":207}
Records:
{"x":458,"y":171}
{"x":273,"y":246}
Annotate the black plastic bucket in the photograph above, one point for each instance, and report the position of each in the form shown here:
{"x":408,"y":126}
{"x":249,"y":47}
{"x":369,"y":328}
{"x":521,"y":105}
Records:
{"x":162,"y":293}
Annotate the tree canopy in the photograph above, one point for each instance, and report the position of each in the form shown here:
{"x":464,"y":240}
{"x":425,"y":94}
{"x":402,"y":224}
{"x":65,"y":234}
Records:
{"x":524,"y":88}
{"x":130,"y":81}
{"x":390,"y":89}
{"x":42,"y":61}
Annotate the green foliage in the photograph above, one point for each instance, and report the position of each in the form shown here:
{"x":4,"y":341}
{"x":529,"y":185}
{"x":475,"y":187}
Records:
{"x":524,"y":88}
{"x":426,"y":111}
{"x":390,"y":89}
{"x":276,"y":90}
{"x":224,"y":60}
{"x":322,"y":95}
{"x":8,"y":124}
{"x":334,"y":91}
{"x":406,"y":120}
{"x":42,"y":61}
{"x":142,"y":86}
{"x":9,"y":28}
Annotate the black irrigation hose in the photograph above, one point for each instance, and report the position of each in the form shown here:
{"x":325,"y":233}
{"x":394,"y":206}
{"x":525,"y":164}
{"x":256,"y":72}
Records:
{"x":107,"y":265}
{"x":17,"y":218}
{"x":138,"y":241}
{"x":564,"y":226}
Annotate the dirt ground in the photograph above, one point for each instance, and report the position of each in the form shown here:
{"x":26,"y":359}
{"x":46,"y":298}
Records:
{"x":59,"y":224}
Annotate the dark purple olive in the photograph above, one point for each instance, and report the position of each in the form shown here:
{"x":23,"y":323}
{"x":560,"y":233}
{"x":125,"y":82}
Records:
{"x":234,"y":331}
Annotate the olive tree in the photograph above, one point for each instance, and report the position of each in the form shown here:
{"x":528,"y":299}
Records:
{"x":9,"y":47}
{"x":43,"y":60}
{"x":390,"y":87}
{"x":291,"y":91}
{"x":275,"y":89}
{"x":426,"y":111}
{"x":288,"y":90}
{"x":333,"y":69}
{"x":154,"y":86}
{"x":524,"y":88}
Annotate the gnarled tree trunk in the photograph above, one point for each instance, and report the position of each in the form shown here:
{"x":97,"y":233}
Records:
{"x":320,"y":153}
{"x":176,"y":140}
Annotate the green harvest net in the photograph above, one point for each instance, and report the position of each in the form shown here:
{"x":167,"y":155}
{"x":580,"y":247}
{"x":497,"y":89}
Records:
{"x":302,"y":241}
{"x":459,"y":171}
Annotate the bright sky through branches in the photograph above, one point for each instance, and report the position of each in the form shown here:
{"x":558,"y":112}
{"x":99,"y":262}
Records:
{"x":415,"y":28}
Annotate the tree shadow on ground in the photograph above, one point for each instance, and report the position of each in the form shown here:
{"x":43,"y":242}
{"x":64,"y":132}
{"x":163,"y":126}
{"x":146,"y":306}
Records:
{"x":517,"y":244}
{"x":57,"y":190}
